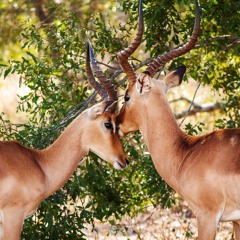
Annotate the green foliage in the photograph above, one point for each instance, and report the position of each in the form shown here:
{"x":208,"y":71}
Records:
{"x":53,"y":82}
{"x":193,"y":130}
{"x":53,"y":68}
{"x":52,"y":65}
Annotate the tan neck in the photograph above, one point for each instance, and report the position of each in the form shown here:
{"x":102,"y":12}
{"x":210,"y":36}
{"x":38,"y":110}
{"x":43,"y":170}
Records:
{"x":60,"y":159}
{"x":163,"y":138}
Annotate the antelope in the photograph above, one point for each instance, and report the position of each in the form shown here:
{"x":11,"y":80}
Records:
{"x":204,"y":170}
{"x":29,"y":176}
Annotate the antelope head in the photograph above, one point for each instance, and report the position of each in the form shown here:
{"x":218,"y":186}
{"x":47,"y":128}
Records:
{"x":144,"y":89}
{"x":101,"y":134}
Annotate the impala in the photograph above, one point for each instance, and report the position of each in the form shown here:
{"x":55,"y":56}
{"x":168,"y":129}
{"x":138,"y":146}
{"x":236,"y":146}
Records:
{"x":204,"y":170}
{"x":28,"y":176}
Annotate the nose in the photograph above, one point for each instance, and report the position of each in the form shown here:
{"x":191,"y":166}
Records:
{"x":124,"y":165}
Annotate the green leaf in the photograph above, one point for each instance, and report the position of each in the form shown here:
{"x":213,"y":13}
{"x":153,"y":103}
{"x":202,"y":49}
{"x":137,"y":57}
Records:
{"x":33,"y":57}
{"x":7,"y":72}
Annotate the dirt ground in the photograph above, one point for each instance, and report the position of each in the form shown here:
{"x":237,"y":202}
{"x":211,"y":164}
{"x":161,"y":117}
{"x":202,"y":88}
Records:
{"x":160,"y":224}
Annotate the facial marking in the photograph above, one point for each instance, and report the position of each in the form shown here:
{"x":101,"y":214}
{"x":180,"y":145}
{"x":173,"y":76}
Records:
{"x":113,"y":124}
{"x":110,"y":121}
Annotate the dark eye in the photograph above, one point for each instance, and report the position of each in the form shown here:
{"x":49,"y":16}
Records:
{"x":108,"y":125}
{"x":126,"y":98}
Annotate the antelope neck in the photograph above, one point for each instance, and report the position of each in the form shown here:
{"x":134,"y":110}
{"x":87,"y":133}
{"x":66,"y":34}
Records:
{"x":163,"y":138}
{"x":60,"y":159}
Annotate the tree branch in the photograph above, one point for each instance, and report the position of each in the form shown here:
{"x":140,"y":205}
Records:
{"x":203,"y":43}
{"x":42,"y":15}
{"x":205,"y":72}
{"x":77,"y":110}
{"x":198,"y":108}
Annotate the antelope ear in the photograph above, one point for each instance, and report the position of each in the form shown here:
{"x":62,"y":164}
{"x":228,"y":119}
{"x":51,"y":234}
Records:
{"x":143,"y":83}
{"x":96,"y":110}
{"x":112,"y":107}
{"x":174,"y":78}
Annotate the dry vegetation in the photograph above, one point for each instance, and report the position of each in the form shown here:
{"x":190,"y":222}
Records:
{"x":155,"y":224}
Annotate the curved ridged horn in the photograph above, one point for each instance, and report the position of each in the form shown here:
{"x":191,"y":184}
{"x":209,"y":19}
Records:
{"x":127,"y":52}
{"x":107,"y":85}
{"x":176,"y":52}
{"x":99,"y":89}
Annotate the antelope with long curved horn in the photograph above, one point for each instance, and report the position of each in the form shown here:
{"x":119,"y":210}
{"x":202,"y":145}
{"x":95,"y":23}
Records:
{"x":111,"y":97}
{"x":29,"y":176}
{"x":204,"y":170}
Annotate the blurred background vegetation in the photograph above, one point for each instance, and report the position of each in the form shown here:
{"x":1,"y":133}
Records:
{"x":42,"y":46}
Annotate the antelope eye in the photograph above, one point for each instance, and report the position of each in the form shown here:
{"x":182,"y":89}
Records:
{"x":108,"y":125}
{"x":126,"y":98}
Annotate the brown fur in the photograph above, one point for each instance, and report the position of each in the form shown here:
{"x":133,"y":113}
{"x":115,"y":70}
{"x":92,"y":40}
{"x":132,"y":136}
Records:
{"x":28,"y":176}
{"x":204,"y":170}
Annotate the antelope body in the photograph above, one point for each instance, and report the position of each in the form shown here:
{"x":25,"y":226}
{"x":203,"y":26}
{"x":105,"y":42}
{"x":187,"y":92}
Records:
{"x":28,"y":176}
{"x":204,"y":170}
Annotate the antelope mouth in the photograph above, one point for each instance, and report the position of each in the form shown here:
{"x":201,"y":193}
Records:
{"x":119,"y":166}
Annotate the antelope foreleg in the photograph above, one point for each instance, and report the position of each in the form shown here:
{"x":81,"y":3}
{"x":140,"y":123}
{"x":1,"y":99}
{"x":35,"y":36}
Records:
{"x":207,"y":227}
{"x":12,"y":222}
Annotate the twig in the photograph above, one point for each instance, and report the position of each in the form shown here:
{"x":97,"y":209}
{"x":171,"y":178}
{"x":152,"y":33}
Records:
{"x":237,"y":41}
{"x":107,"y":65}
{"x":74,"y":113}
{"x":207,"y":42}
